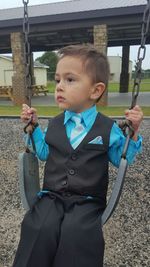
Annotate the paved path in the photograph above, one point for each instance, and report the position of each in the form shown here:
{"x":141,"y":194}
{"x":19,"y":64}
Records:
{"x":124,"y":99}
{"x":114,"y":99}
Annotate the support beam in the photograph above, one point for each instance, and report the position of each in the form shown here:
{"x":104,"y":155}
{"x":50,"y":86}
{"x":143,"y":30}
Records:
{"x":124,"y":76}
{"x":100,"y":42}
{"x":32,"y":70}
{"x":20,"y":94}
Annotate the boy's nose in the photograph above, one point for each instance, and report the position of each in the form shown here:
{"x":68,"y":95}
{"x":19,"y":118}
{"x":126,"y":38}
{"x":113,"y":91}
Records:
{"x":60,"y":86}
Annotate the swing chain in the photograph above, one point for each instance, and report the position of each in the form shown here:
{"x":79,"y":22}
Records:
{"x":117,"y":189}
{"x":141,"y":54}
{"x":27,"y":53}
{"x":29,"y":128}
{"x":126,"y":125}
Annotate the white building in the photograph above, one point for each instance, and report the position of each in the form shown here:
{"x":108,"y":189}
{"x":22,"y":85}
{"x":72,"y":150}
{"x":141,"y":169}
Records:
{"x":115,"y":68}
{"x":40,"y":70}
{"x":6,"y":72}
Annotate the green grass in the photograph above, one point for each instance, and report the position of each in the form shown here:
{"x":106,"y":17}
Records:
{"x":51,"y":86}
{"x":52,"y":111}
{"x":144,"y":87}
{"x":112,"y":87}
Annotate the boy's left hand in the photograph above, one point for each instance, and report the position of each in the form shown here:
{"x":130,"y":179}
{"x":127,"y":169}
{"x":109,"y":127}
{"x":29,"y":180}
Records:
{"x":134,"y":115}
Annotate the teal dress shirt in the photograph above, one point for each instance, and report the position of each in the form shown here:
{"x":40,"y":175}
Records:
{"x":116,"y":142}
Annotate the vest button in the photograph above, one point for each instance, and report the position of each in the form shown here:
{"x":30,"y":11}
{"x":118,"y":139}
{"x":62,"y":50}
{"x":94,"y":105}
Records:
{"x":73,"y":156}
{"x":66,"y":194}
{"x":71,"y":171}
{"x":64,"y":182}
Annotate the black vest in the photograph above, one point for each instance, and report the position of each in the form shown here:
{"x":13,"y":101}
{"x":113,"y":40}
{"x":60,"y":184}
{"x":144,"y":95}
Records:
{"x":81,"y":171}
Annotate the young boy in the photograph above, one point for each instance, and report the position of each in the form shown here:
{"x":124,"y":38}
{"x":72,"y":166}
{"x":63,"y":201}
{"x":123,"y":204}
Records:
{"x":63,"y":228}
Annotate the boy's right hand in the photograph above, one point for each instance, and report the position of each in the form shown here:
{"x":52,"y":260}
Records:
{"x":27,"y":113}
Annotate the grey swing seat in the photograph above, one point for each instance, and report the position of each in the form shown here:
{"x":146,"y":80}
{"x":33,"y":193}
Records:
{"x":29,"y":181}
{"x":28,"y":178}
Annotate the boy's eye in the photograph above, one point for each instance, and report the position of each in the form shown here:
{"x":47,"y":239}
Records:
{"x":70,"y":79}
{"x":57,"y":80}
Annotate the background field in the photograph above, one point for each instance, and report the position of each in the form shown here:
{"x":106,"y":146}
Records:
{"x":109,"y":110}
{"x":112,"y":87}
{"x":52,"y":111}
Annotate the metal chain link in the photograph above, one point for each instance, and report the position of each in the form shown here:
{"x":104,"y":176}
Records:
{"x":27,"y":59}
{"x":141,"y":54}
{"x":126,"y":126}
{"x":118,"y":185}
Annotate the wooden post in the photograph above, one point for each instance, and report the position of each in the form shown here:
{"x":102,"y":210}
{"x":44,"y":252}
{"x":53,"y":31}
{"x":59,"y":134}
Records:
{"x":124,"y":76}
{"x":20,"y":94}
{"x":100,"y":42}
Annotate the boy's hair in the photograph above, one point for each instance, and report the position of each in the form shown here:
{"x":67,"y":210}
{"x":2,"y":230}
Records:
{"x":95,"y":63}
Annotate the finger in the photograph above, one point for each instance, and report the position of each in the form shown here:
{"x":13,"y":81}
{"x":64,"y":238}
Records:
{"x":135,"y":112}
{"x":133,"y":116}
{"x":127,"y":111}
{"x":137,"y":108}
{"x":25,"y":118}
{"x":25,"y":113}
{"x":25,"y":106}
{"x":33,"y":110}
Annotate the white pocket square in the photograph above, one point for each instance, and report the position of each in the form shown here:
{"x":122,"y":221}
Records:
{"x":98,"y":141}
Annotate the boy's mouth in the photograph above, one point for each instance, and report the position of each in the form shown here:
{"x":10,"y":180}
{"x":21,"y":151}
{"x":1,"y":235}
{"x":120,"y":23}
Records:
{"x":60,"y":99}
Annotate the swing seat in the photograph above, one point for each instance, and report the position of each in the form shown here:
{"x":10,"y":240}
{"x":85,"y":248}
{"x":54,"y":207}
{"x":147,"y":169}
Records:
{"x":28,"y":178}
{"x":30,"y":184}
{"x":116,"y":191}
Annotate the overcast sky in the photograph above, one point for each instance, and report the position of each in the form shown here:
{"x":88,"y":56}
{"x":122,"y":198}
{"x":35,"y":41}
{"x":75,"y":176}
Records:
{"x":112,"y":51}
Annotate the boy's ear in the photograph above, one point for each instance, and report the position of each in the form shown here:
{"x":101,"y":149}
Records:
{"x":98,"y":90}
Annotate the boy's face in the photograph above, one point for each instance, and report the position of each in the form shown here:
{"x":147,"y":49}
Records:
{"x":74,"y":88}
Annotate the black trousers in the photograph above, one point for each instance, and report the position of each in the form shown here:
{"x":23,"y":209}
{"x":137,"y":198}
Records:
{"x":61,"y":231}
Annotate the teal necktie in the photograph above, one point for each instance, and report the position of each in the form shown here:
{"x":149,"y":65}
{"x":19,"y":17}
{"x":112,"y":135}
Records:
{"x":78,"y":132}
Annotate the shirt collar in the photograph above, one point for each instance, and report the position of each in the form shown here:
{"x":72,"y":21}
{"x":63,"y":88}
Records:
{"x":87,"y":115}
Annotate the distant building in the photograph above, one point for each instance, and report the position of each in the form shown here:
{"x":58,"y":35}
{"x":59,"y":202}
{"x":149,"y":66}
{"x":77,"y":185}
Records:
{"x":6,"y":72}
{"x":40,"y":70}
{"x":115,"y":68}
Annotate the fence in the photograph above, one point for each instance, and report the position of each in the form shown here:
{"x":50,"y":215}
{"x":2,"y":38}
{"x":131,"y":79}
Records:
{"x":50,"y":76}
{"x":145,"y":74}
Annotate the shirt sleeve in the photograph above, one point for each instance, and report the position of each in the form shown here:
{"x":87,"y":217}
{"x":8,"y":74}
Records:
{"x":116,"y":145}
{"x":42,"y":149}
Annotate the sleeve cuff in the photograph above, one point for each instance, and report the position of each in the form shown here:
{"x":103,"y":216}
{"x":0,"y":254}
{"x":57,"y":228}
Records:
{"x":37,"y":134}
{"x":137,"y":144}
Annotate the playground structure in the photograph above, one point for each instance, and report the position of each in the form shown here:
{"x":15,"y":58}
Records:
{"x":55,"y":25}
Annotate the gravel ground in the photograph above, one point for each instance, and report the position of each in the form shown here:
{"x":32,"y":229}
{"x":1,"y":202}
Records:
{"x":126,"y":233}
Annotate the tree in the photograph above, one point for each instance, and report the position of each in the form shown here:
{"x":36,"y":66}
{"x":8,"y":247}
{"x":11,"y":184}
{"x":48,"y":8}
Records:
{"x":50,"y":59}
